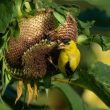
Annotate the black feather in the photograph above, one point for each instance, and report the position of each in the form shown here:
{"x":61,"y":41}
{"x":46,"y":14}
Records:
{"x":69,"y":72}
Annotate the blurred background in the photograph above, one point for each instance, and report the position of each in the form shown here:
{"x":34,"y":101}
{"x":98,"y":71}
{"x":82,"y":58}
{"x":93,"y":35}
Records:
{"x":98,"y":10}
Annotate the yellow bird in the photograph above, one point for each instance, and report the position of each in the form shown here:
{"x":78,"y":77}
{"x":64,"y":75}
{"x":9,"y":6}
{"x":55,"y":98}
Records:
{"x":69,"y":57}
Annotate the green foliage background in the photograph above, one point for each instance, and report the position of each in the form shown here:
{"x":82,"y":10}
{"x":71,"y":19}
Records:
{"x":90,"y":75}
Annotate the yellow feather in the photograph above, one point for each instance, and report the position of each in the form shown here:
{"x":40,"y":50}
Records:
{"x":63,"y":59}
{"x":74,"y":60}
{"x":70,"y":54}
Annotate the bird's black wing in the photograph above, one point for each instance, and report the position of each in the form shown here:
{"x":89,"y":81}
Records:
{"x":69,"y":72}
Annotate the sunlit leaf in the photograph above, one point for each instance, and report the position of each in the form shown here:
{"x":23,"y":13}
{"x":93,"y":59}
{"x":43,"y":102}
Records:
{"x":1,"y":54}
{"x":4,"y":106}
{"x":82,"y":38}
{"x":18,"y":8}
{"x":59,"y":17}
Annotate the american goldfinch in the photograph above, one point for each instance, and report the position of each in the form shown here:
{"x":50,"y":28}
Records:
{"x":69,"y":57}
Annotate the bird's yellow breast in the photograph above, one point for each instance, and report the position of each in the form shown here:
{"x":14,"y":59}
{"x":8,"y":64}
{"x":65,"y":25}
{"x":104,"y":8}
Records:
{"x":74,"y":60}
{"x":63,"y":59}
{"x":70,"y":54}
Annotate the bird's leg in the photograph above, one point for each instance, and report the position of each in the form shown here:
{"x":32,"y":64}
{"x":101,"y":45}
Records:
{"x":50,"y":60}
{"x":70,"y":77}
{"x":30,"y":92}
{"x":19,"y":90}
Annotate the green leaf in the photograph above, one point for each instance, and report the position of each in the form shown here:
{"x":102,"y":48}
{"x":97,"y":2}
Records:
{"x":5,"y":76}
{"x":17,"y":9}
{"x":5,"y":39}
{"x":86,"y":37}
{"x":82,"y":38}
{"x":1,"y":42}
{"x":98,"y":39}
{"x":17,"y":30}
{"x":90,"y":82}
{"x":57,"y":8}
{"x":74,"y":9}
{"x":101,"y":72}
{"x":59,"y":17}
{"x":58,"y":12}
{"x":4,"y":106}
{"x":1,"y":54}
{"x":5,"y":14}
{"x":47,"y":81}
{"x":106,"y":41}
{"x":46,"y":3}
{"x":84,"y":28}
{"x":14,"y":28}
{"x":87,"y":56}
{"x":103,"y":41}
{"x":73,"y":98}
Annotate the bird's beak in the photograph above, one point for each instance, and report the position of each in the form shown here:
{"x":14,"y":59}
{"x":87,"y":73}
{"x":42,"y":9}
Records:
{"x":61,"y":46}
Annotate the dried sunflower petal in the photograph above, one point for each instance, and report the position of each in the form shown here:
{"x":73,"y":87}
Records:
{"x":19,"y":90}
{"x":30,"y":92}
{"x":35,"y":91}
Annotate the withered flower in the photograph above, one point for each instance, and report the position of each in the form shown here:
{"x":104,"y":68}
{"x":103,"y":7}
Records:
{"x":36,"y":59}
{"x":27,"y":55}
{"x":68,"y":30}
{"x":32,"y":30}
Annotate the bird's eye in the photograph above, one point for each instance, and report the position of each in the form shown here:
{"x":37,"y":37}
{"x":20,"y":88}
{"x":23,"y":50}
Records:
{"x":66,"y":41}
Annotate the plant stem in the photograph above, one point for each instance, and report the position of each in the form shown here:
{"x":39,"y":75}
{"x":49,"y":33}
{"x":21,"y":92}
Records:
{"x":67,"y":82}
{"x":61,"y":80}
